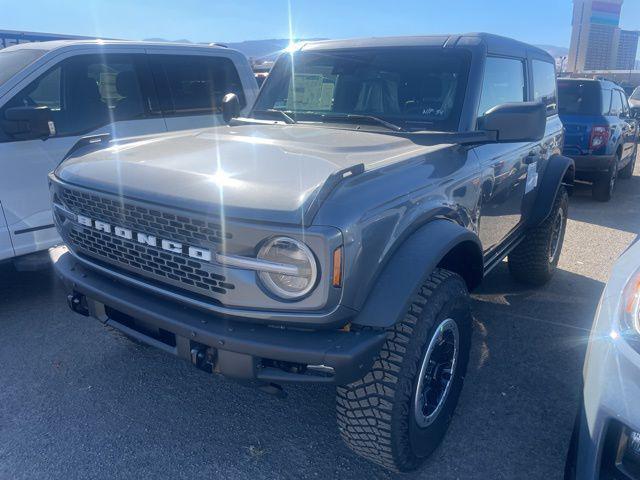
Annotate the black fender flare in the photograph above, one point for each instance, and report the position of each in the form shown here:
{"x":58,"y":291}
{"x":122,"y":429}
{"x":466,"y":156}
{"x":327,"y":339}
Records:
{"x":411,"y":263}
{"x":560,"y":170}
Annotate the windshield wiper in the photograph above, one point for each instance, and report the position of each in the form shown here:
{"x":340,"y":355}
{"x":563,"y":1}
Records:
{"x":286,"y":118}
{"x":370,"y":118}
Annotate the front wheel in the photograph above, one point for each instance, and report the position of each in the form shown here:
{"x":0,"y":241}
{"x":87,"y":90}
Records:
{"x":535,"y":259}
{"x":399,"y":412}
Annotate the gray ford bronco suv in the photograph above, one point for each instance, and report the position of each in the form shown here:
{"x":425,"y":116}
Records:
{"x":333,"y":234}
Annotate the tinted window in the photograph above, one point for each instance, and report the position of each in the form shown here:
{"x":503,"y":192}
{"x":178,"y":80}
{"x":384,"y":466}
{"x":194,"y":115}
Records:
{"x":616,"y":103}
{"x":46,"y":92}
{"x":414,"y":88}
{"x":196,"y":84}
{"x":87,"y":92}
{"x":503,"y":83}
{"x":11,"y":62}
{"x":544,"y":85}
{"x":625,"y":102}
{"x":606,"y":102}
{"x":582,"y":98}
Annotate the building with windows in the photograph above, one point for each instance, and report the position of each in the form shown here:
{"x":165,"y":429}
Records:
{"x":597,"y":42}
{"x":14,"y":37}
{"x":627,"y":49}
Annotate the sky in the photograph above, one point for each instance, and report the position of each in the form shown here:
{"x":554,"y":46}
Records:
{"x":545,"y":22}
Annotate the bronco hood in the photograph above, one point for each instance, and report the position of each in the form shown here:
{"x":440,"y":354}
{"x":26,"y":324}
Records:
{"x":254,"y":172}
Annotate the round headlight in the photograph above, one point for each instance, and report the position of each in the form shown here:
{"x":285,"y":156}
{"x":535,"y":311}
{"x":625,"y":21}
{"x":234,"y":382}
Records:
{"x":297,"y":259}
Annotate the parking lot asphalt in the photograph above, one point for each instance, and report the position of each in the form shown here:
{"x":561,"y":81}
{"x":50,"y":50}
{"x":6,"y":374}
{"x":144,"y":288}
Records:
{"x":77,"y":401}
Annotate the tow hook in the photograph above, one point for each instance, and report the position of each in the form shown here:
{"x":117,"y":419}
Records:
{"x":77,"y":304}
{"x":202,"y":357}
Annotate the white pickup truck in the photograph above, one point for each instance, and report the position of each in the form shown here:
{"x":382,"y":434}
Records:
{"x":54,"y":93}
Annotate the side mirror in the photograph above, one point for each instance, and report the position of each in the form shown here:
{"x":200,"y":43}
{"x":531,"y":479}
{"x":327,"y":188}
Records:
{"x":28,"y":123}
{"x":230,"y":107}
{"x":634,"y":112}
{"x":516,"y":122}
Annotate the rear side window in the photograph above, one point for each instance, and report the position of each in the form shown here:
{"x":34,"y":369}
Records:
{"x":582,"y":98}
{"x":503,"y":83}
{"x":606,"y":102}
{"x":196,"y":84}
{"x":616,"y":103}
{"x":544,"y":85}
{"x":625,"y":102}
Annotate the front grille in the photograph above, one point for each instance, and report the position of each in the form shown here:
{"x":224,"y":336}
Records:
{"x":165,"y":267}
{"x":163,"y":224}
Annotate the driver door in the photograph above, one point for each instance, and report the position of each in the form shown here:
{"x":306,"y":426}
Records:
{"x":87,"y":94}
{"x":504,"y":165}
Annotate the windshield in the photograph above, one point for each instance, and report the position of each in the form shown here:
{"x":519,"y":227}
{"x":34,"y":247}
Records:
{"x":636,"y":94}
{"x":413,"y":88}
{"x":11,"y":62}
{"x":580,"y":98}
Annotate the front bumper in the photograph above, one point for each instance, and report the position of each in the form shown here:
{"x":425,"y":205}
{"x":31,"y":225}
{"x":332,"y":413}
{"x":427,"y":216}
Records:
{"x":236,"y":349}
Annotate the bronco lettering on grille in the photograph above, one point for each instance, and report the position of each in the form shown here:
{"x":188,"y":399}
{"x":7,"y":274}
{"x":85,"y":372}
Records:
{"x":145,"y":239}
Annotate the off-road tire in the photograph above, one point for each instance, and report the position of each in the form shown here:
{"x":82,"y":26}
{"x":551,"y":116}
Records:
{"x":604,"y":184}
{"x":535,"y":259}
{"x":627,"y":171}
{"x":376,"y":415}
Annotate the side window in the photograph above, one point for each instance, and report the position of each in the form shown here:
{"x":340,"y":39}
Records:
{"x":503,"y":83}
{"x":101,"y":89}
{"x":119,"y":87}
{"x":544,"y":85}
{"x":192,"y":85}
{"x":625,"y":102}
{"x":616,"y":104}
{"x":86,"y":92}
{"x":45,"y":91}
{"x":606,"y":102}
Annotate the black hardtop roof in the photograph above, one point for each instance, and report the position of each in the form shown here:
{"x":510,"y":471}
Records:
{"x":603,"y":81}
{"x":495,"y":44}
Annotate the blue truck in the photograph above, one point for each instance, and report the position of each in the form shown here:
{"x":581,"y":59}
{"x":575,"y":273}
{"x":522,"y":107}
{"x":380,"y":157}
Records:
{"x":601,"y":132}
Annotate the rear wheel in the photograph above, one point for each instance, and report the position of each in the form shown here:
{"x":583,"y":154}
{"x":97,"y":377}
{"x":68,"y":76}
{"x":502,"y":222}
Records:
{"x":604,"y":184}
{"x":535,"y":259}
{"x":627,"y":171}
{"x":399,"y":412}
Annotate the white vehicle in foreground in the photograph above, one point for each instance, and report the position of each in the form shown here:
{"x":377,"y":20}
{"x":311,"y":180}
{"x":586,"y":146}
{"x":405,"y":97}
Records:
{"x":606,"y":440}
{"x":634,"y":99}
{"x":54,"y":93}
